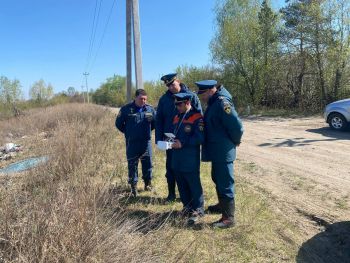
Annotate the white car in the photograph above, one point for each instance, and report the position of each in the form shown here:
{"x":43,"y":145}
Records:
{"x":337,"y":114}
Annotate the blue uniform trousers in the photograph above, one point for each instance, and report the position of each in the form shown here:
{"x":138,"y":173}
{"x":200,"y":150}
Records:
{"x":135,"y":151}
{"x":190,"y":189}
{"x":222,"y":175}
{"x":170,"y":176}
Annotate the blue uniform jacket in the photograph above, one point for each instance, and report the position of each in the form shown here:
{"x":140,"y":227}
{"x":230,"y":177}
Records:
{"x":190,"y":132}
{"x":223,"y":128}
{"x":136,"y":123}
{"x":166,"y":111}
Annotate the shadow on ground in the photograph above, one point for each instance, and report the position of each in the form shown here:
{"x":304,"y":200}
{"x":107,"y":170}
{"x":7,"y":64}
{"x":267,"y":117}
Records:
{"x":329,"y":246}
{"x":294,"y":142}
{"x":119,"y":200}
{"x":328,"y":132}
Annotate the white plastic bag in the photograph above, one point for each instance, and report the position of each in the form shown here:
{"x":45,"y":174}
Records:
{"x":9,"y":147}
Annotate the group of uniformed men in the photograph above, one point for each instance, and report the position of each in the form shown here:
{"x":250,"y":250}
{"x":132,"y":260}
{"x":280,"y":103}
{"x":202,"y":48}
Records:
{"x":179,"y":112}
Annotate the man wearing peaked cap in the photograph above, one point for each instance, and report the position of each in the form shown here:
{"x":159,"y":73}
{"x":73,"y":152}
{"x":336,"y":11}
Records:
{"x":166,"y":112}
{"x":204,"y":85}
{"x":188,"y":128}
{"x":169,"y":78}
{"x":223,"y":132}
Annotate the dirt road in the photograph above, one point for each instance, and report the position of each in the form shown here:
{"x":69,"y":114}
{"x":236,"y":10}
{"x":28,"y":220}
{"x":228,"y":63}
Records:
{"x":302,"y":164}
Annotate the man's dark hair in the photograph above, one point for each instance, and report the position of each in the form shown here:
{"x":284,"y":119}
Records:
{"x":140,"y":92}
{"x":218,"y":85}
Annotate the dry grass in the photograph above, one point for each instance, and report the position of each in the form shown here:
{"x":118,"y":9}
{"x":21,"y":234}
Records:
{"x":65,"y":211}
{"x":77,"y":208}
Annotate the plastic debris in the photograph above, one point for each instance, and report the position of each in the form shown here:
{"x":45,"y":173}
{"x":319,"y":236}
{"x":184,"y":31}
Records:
{"x":10,"y":147}
{"x":8,"y":151}
{"x":24,"y":165}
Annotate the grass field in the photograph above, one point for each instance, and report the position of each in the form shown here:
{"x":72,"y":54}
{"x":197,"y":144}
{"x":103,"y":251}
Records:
{"x":77,"y":208}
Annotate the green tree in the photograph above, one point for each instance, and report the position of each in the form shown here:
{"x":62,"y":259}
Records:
{"x":112,"y":92}
{"x":154,"y":89}
{"x":320,"y":34}
{"x":339,"y":51}
{"x":10,"y":95}
{"x":312,"y":25}
{"x":294,"y":39}
{"x":236,"y":48}
{"x":190,"y":74}
{"x":40,"y":92}
{"x":10,"y":91}
{"x":268,"y":36}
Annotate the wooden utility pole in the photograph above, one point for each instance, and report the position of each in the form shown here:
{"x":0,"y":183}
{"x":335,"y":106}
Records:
{"x":128,"y":50}
{"x":137,"y":44}
{"x":133,"y":28}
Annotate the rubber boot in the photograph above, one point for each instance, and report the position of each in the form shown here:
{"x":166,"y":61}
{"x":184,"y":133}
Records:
{"x":228,"y":209}
{"x":214,"y":209}
{"x":171,"y":191}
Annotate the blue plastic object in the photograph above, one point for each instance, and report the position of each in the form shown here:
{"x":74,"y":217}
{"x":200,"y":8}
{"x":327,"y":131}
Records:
{"x":24,"y":165}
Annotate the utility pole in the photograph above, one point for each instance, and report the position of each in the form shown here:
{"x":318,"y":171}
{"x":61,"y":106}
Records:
{"x":133,"y":29}
{"x":87,"y":89}
{"x":128,"y":50}
{"x":137,"y":44}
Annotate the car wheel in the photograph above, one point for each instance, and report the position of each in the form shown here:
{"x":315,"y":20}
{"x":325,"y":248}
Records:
{"x":337,"y":122}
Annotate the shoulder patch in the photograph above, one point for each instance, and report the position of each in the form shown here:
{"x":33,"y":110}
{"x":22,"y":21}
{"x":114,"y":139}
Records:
{"x":226,"y":106}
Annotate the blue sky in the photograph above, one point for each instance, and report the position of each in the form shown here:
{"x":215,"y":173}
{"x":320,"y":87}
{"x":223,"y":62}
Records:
{"x":49,"y":39}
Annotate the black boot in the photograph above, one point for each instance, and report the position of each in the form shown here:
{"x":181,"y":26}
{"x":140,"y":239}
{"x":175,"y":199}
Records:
{"x":171,"y":191}
{"x":228,"y":209}
{"x":134,"y":191}
{"x":214,"y":209}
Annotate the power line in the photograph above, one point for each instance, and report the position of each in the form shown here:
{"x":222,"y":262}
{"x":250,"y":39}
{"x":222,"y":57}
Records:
{"x":93,"y":32}
{"x":103,"y":35}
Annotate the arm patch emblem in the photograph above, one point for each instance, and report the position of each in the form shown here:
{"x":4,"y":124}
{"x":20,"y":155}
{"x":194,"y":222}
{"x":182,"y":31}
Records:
{"x":227,"y":108}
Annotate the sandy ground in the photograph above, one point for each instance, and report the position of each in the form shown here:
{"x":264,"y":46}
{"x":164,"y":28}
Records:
{"x":303,"y":165}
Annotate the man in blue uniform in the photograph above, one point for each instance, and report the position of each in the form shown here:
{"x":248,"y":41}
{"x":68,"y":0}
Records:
{"x":166,"y":112}
{"x":185,"y":162}
{"x":223,"y":132}
{"x":136,"y":120}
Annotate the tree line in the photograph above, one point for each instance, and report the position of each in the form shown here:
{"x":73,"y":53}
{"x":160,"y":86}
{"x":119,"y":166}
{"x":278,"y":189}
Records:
{"x":297,"y":57}
{"x":12,"y":101}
